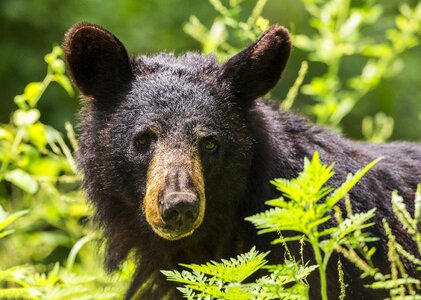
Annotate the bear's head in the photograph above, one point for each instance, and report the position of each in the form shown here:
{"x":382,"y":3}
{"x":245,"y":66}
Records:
{"x":165,"y":141}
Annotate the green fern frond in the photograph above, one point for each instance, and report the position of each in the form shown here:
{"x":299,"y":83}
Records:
{"x":351,"y":224}
{"x":411,"y":224}
{"x":291,"y":271}
{"x":394,"y":283}
{"x":308,"y":203}
{"x":15,"y":293}
{"x":233,"y":270}
{"x":399,"y":208}
{"x":224,"y":280}
{"x":349,"y":183}
{"x":308,"y":188}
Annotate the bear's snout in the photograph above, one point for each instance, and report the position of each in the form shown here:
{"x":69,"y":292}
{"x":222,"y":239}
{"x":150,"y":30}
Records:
{"x":179,"y":210}
{"x":174,"y":203}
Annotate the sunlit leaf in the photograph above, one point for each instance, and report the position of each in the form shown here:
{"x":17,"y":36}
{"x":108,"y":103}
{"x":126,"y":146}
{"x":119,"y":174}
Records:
{"x":33,"y":92}
{"x":23,"y":180}
{"x":65,"y":83}
{"x":45,"y":167}
{"x":5,"y":134}
{"x":37,"y":135}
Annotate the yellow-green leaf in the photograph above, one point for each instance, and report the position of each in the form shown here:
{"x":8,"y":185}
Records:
{"x":22,"y":180}
{"x":65,"y":83}
{"x":58,"y":66}
{"x":33,"y":92}
{"x":5,"y":134}
{"x":38,"y":135}
{"x":45,"y":167}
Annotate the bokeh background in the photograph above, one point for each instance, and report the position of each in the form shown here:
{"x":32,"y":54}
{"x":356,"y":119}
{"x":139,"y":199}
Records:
{"x":29,"y":28}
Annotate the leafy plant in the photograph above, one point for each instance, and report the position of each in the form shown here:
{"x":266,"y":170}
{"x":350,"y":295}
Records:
{"x":377,"y":129}
{"x":24,"y":153}
{"x":306,"y":206}
{"x":225,"y":280}
{"x":38,"y":171}
{"x":307,"y":203}
{"x":398,"y":282}
{"x":7,"y":219}
{"x":228,"y":33}
{"x":339,"y":35}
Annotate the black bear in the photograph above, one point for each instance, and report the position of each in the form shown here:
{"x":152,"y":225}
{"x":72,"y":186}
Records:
{"x":177,"y":151}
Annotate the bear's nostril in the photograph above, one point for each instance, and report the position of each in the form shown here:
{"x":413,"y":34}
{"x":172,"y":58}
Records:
{"x":170,"y":215}
{"x":189,"y":215}
{"x":179,"y":211}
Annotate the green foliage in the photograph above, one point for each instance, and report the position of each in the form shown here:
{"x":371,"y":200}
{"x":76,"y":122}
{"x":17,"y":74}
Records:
{"x":53,"y":244}
{"x":228,"y":34}
{"x":6,"y":219}
{"x":377,"y":129}
{"x":398,"y":282}
{"x":225,"y":280}
{"x":306,"y":205}
{"x":339,"y":34}
{"x":56,"y":284}
{"x":26,"y":159}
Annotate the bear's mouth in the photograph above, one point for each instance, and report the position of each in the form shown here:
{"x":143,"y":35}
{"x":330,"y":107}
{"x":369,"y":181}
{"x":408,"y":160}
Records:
{"x":173,"y":234}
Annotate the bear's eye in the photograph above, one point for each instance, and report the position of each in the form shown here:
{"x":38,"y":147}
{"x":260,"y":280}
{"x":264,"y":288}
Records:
{"x":144,"y":139}
{"x":209,"y":145}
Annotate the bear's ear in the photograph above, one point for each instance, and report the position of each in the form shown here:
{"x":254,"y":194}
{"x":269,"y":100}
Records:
{"x":254,"y":71}
{"x":98,"y":61}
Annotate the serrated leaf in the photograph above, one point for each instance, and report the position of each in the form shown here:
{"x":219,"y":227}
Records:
{"x":349,"y":183}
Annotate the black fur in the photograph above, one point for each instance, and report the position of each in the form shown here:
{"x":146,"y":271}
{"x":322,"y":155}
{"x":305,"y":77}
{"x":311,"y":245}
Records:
{"x":183,"y":95}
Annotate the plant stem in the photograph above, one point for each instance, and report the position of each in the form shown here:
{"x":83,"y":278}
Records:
{"x":13,"y":150}
{"x":322,"y":269}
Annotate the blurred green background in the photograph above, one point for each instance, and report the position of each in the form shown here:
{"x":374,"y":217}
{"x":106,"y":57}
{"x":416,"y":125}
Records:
{"x":29,"y":28}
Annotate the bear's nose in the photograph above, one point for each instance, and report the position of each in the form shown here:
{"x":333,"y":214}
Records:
{"x":179,"y":210}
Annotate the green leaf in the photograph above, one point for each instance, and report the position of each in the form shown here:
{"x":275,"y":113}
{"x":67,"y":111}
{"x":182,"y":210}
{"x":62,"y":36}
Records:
{"x":65,"y":83}
{"x":349,"y":183}
{"x":33,"y":92}
{"x":37,"y":135}
{"x":389,"y":284}
{"x":5,"y":134}
{"x":20,"y":101}
{"x":6,"y":219}
{"x":303,"y":42}
{"x":23,"y":180}
{"x":288,"y":239}
{"x":45,"y":167}
{"x":233,"y":270}
{"x":58,"y":66}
